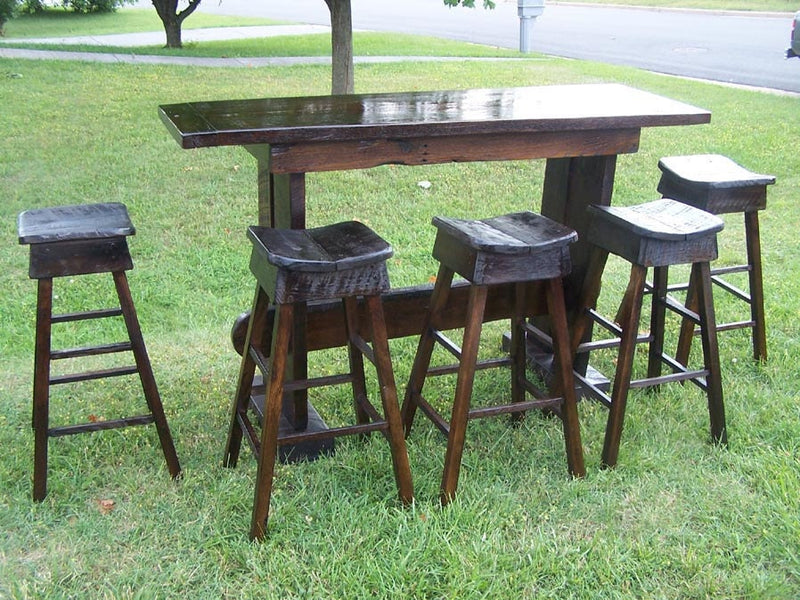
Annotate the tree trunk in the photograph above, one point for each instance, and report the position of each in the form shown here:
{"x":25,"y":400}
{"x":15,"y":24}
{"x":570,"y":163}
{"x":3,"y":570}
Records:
{"x":172,"y":19}
{"x":342,"y":81}
{"x":172,"y":28}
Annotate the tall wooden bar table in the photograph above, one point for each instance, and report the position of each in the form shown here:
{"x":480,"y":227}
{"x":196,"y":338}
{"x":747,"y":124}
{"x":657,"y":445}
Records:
{"x":579,"y":129}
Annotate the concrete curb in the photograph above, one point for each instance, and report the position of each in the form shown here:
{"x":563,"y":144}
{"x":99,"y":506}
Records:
{"x":247,"y":62}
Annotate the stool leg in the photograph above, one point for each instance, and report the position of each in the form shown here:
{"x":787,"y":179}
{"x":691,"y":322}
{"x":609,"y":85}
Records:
{"x":590,"y":292}
{"x":41,"y":387}
{"x":146,"y":372}
{"x":422,"y":358}
{"x":391,"y":410}
{"x":622,"y":377}
{"x":356,"y":359}
{"x":753,"y":242}
{"x":518,"y":350}
{"x":657,"y":321}
{"x":566,"y":381}
{"x":687,"y":326}
{"x":272,"y":413}
{"x":256,"y":327}
{"x":708,"y":332}
{"x":463,"y":394}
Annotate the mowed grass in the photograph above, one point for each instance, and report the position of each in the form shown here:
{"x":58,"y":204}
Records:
{"x":678,"y":518}
{"x":57,"y":22}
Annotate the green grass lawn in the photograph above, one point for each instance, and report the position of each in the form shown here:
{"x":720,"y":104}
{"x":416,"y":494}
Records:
{"x":62,"y":23}
{"x":679,"y":518}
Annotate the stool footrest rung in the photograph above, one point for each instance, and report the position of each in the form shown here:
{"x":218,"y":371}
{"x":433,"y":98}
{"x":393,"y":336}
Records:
{"x":306,"y":436}
{"x":88,"y":375}
{"x":602,"y":344}
{"x":300,"y":384}
{"x":605,"y":322}
{"x":100,"y":425}
{"x":534,"y":390}
{"x":699,"y":378}
{"x":731,"y":289}
{"x":716,"y":271}
{"x":488,"y":411}
{"x":681,"y":310}
{"x":439,"y":422}
{"x":491,"y":411}
{"x":672,"y":377}
{"x":488,"y":363}
{"x":102,"y":313}
{"x":716,"y":274}
{"x":729,"y":326}
{"x":446,"y":343}
{"x":592,"y":390}
{"x":371,"y":411}
{"x":249,"y":431}
{"x":91,"y":350}
{"x":313,"y":382}
{"x":364,"y":348}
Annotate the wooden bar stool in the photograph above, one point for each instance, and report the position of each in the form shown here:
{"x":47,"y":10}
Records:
{"x":340,"y":261}
{"x":518,"y":249}
{"x":79,"y":240}
{"x":655,"y":234}
{"x":717,"y":184}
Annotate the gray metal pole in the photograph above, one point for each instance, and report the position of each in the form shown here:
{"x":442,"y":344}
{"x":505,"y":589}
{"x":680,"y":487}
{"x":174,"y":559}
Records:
{"x":528,"y":10}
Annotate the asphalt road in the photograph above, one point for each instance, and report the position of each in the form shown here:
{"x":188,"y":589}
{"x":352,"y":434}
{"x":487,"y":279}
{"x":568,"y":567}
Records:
{"x":733,"y":48}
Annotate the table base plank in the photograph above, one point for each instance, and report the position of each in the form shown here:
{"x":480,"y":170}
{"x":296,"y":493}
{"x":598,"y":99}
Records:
{"x":305,"y":450}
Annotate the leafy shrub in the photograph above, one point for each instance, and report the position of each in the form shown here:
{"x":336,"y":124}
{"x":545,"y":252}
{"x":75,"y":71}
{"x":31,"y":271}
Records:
{"x":8,"y":9}
{"x":78,"y":6}
{"x":31,"y":7}
{"x":94,"y":6}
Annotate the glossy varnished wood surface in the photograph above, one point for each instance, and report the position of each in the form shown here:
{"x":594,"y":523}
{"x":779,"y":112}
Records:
{"x":365,"y":117}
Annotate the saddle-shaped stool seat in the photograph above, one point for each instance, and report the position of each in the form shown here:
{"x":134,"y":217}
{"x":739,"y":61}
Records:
{"x":292,"y":267}
{"x":67,"y":241}
{"x":718,"y":185}
{"x":656,"y":234}
{"x":517,"y":249}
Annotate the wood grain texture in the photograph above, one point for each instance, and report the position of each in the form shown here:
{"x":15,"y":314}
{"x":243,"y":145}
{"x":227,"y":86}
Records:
{"x":363,"y":117}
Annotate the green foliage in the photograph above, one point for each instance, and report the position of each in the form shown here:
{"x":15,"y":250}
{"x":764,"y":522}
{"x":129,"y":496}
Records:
{"x":32,"y":7}
{"x":94,"y":6}
{"x":78,"y":6}
{"x":469,"y":3}
{"x":8,"y":8}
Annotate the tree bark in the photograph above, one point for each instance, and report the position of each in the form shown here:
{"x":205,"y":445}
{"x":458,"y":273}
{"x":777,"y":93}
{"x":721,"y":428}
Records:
{"x":342,"y":79}
{"x":172,"y":19}
{"x":172,"y":28}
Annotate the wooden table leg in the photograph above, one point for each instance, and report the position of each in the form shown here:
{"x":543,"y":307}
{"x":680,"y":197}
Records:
{"x":570,"y":186}
{"x":282,"y":204}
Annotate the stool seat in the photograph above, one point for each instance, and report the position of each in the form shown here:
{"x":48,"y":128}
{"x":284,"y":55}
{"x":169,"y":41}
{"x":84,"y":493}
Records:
{"x":662,"y":232}
{"x":516,"y":248}
{"x":337,"y":247}
{"x":521,"y":233}
{"x":509,"y":248}
{"x":78,"y":222}
{"x":717,"y":184}
{"x":292,"y":267}
{"x":713,"y":182}
{"x":79,"y":240}
{"x":329,"y":262}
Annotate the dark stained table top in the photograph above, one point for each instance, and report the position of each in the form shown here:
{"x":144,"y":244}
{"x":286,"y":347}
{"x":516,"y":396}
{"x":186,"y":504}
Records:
{"x":435,"y":113}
